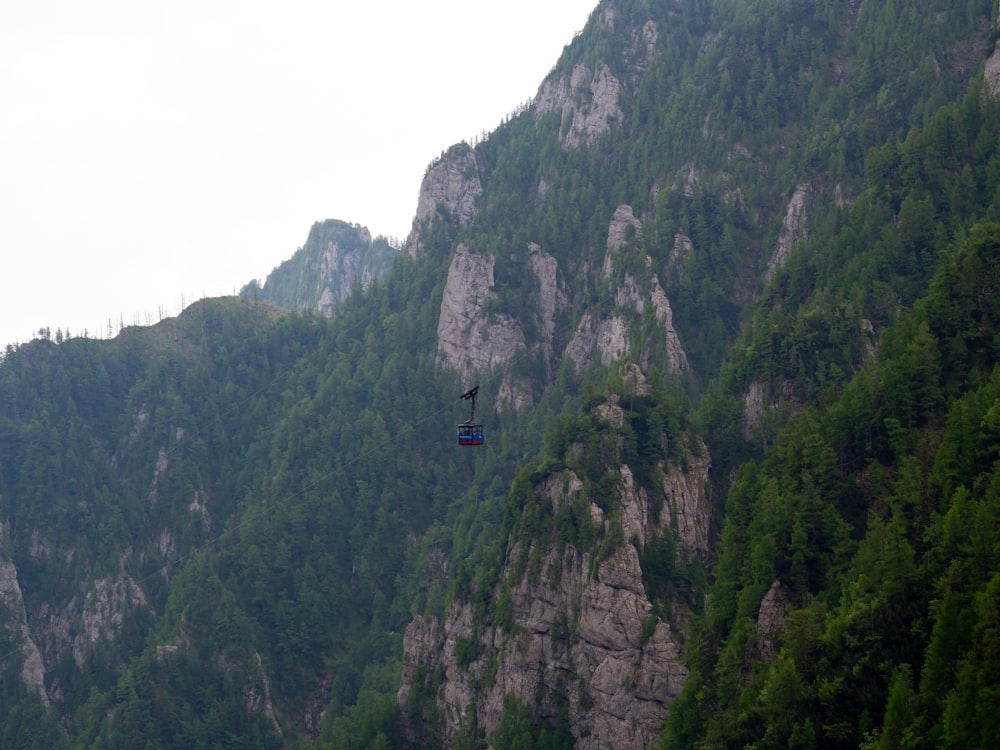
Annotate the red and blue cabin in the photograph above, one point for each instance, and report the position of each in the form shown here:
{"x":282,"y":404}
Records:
{"x":470,"y":434}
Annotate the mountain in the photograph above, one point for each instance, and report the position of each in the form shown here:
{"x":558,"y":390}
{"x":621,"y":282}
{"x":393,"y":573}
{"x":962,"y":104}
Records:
{"x":727,"y":285}
{"x":323,"y":272}
{"x":569,"y":624}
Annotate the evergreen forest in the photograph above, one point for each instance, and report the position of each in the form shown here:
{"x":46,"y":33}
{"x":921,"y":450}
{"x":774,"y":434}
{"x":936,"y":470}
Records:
{"x":219,"y":530}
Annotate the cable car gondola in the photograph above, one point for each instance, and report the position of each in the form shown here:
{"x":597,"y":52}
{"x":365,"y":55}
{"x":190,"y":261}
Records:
{"x":471,"y":433}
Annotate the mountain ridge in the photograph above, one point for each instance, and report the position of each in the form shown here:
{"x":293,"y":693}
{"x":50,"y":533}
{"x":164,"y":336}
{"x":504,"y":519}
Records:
{"x":223,"y":527}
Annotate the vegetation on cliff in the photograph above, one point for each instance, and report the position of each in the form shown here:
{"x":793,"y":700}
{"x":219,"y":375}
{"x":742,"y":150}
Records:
{"x":221,"y":526}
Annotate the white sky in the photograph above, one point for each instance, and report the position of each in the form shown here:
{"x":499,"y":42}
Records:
{"x":155,"y":153}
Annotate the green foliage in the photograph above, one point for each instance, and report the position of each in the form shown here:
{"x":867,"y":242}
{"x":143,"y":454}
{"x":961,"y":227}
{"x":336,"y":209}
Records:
{"x":519,"y":730}
{"x":27,"y":723}
{"x":856,"y":509}
{"x":337,"y":256}
{"x":466,"y":651}
{"x":279,"y":493}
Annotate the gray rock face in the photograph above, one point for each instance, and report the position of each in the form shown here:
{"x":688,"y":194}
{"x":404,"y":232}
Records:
{"x":755,"y":406}
{"x":90,"y":614}
{"x":451,"y":186}
{"x":616,"y":684}
{"x":687,"y":508}
{"x":992,"y":72}
{"x":607,"y":334}
{"x":86,"y":620}
{"x":470,"y":338}
{"x":579,"y":635}
{"x":758,"y":402}
{"x":794,"y":227}
{"x":74,"y":628}
{"x":676,"y":357}
{"x":551,"y":299}
{"x":622,"y":221}
{"x":335,"y":258}
{"x":770,"y":624}
{"x":473,"y":338}
{"x":588,"y":101}
{"x":343,"y":268}
{"x":12,"y":600}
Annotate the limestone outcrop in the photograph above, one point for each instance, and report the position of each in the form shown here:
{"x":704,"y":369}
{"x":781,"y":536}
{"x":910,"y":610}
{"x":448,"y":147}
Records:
{"x":336,"y":258}
{"x":576,"y":637}
{"x":794,"y":227}
{"x":471,"y":338}
{"x":474,"y":337}
{"x":606,"y":332}
{"x":12,"y":600}
{"x":770,"y":624}
{"x":575,"y":634}
{"x":450,"y":189}
{"x":992,"y":71}
{"x":343,"y":268}
{"x":587,"y":100}
{"x":74,"y":629}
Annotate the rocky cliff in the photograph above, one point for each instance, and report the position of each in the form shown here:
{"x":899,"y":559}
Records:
{"x":477,"y":330}
{"x":992,"y":71}
{"x":474,"y":336}
{"x":335,"y":258}
{"x":574,"y":635}
{"x":449,"y":191}
{"x":588,"y":95}
{"x":64,"y":619}
{"x":587,"y":101}
{"x":794,"y":227}
{"x":54,"y":631}
{"x":607,"y":332}
{"x":12,"y":601}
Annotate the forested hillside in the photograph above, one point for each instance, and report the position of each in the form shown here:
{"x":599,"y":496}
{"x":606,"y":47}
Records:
{"x":321,"y":274}
{"x":727,"y":285}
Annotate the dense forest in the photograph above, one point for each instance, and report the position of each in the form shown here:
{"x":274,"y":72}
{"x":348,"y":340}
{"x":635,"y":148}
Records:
{"x":217,"y":531}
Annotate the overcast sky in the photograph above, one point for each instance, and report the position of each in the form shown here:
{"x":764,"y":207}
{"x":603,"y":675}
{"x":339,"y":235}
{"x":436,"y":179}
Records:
{"x":155,"y":153}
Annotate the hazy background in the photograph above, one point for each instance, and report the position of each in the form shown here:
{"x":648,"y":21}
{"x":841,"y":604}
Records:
{"x":152,"y":154}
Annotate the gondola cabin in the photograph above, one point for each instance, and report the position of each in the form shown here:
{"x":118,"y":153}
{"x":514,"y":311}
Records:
{"x":471,"y":432}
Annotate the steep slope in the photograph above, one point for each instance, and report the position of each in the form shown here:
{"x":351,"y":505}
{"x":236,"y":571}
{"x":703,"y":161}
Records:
{"x":724,"y":235}
{"x":248,"y":526}
{"x":336,"y":258}
{"x":728,"y":131}
{"x":112,"y":477}
{"x":474,"y":335}
{"x":570,"y":627}
{"x":849,"y":550}
{"x":155,"y":489}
